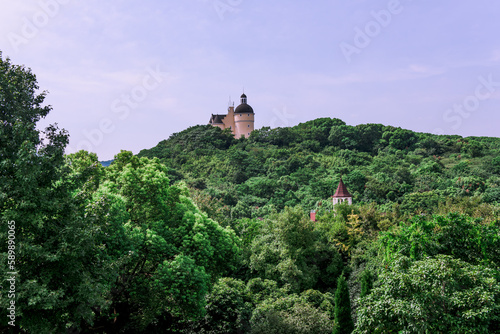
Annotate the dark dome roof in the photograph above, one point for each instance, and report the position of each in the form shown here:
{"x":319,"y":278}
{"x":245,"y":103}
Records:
{"x":243,"y":109}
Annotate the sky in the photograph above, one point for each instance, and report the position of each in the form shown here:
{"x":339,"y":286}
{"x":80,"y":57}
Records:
{"x":124,"y":75}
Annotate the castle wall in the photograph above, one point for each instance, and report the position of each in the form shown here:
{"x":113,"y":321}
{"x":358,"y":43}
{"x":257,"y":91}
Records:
{"x":229,"y":120}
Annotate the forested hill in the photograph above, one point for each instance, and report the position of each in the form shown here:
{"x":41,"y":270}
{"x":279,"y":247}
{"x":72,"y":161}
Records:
{"x":288,"y":166}
{"x":125,"y":249}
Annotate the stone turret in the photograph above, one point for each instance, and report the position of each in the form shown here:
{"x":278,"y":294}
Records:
{"x":244,"y":118}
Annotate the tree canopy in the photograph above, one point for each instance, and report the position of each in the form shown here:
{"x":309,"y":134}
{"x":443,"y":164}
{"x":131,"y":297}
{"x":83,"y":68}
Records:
{"x":205,"y":233}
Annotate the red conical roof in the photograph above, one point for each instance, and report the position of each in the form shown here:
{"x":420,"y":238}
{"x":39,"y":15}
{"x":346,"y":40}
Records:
{"x":342,"y":190}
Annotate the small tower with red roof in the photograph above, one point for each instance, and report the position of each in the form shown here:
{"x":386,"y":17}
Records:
{"x":342,"y":195}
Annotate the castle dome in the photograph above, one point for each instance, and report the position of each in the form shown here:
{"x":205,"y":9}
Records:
{"x":244,"y":107}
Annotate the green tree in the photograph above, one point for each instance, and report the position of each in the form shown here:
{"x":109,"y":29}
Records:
{"x":474,"y":148}
{"x":291,"y":314}
{"x":85,"y":174}
{"x":278,"y":136}
{"x":228,"y":310}
{"x":369,"y":136}
{"x":60,"y":276}
{"x":402,"y":139}
{"x":366,"y":282}
{"x":492,"y":195}
{"x":344,"y":136}
{"x":317,"y":130}
{"x":420,"y":202}
{"x":290,"y":251}
{"x":458,"y":235}
{"x":167,"y":251}
{"x":495,"y":165}
{"x":434,"y":295}
{"x":343,"y":320}
{"x":356,"y":181}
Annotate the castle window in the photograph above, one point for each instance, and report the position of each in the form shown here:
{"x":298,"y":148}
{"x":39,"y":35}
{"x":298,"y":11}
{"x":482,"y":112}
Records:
{"x":240,"y":115}
{"x":248,"y":114}
{"x":248,"y":125}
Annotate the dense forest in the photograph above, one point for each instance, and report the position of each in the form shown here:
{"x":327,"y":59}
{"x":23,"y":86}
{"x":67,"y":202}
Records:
{"x":206,"y":233}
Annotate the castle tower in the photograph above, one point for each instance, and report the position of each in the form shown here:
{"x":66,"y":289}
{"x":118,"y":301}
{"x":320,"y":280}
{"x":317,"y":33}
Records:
{"x":244,"y":118}
{"x":342,"y":195}
{"x":229,"y":121}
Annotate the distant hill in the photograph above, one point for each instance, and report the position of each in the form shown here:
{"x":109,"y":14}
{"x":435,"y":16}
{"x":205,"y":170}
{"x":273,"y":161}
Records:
{"x":106,"y":163}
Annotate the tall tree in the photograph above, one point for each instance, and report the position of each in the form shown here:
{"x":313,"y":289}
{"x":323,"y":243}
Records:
{"x":366,"y":283}
{"x":167,"y":252}
{"x":58,"y":276}
{"x":343,"y":320}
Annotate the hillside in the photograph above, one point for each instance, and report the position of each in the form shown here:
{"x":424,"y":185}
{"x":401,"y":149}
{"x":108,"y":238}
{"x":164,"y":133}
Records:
{"x":302,"y":165}
{"x":212,"y":234}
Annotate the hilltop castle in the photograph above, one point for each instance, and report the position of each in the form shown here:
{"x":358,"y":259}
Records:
{"x":240,"y":121}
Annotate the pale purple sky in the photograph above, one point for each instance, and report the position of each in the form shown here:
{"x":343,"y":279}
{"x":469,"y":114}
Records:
{"x":127,"y":74}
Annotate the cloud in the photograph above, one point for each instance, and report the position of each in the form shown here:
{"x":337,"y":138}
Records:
{"x":411,"y":72}
{"x":424,"y":70}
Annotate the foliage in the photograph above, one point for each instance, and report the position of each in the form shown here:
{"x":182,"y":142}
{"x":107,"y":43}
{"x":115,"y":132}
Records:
{"x":294,"y":315}
{"x":60,"y":276}
{"x":433,"y":295}
{"x":205,"y":233}
{"x":301,"y":165}
{"x":343,"y":321}
{"x":289,"y":251}
{"x":492,"y":195}
{"x":228,"y":310}
{"x":366,"y":282}
{"x":460,"y":236}
{"x":426,"y":202}
{"x":169,"y":252}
